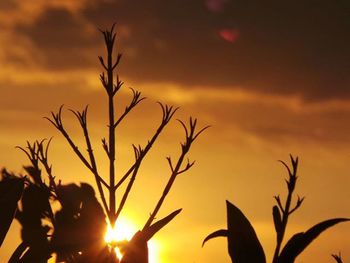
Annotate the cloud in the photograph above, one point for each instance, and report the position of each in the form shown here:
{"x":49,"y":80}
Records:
{"x":62,"y":38}
{"x":279,"y":49}
{"x":7,"y":4}
{"x":276,"y":119}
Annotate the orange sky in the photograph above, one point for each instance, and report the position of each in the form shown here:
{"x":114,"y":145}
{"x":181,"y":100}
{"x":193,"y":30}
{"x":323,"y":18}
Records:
{"x":280,"y":86}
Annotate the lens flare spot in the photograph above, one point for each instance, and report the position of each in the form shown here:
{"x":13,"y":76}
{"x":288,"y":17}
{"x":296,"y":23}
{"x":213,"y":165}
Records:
{"x":216,"y":5}
{"x":229,"y":34}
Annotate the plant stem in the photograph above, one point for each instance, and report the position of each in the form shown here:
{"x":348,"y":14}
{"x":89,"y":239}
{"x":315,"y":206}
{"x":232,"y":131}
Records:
{"x":287,"y":211}
{"x":110,"y":87}
{"x":284,"y":226}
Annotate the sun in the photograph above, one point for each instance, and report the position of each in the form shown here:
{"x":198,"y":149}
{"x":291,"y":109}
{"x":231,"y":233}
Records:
{"x":124,"y":230}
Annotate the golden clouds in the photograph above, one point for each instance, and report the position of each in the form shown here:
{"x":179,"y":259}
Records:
{"x":265,"y":96}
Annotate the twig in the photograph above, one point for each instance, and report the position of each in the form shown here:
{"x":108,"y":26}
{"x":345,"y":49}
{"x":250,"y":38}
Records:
{"x":135,"y":100}
{"x":168,"y":112}
{"x":286,"y":210}
{"x":43,"y":158}
{"x":191,"y":136}
{"x":82,"y":117}
{"x":35,"y":152}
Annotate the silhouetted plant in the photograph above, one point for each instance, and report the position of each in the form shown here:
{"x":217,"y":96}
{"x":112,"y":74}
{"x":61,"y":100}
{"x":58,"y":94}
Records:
{"x":35,"y":207}
{"x":11,"y":188}
{"x":76,"y":231}
{"x":337,"y":258}
{"x":243,"y":243}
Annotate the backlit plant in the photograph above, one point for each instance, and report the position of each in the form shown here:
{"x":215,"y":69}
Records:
{"x":243,"y":243}
{"x":75,"y":232}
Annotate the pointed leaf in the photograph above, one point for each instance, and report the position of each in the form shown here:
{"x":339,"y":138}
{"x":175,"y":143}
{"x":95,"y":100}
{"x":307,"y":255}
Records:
{"x":136,"y":249}
{"x":10,"y":192}
{"x":277,"y":219}
{"x":300,"y":241}
{"x":149,"y":232}
{"x":243,"y":243}
{"x":16,"y":255}
{"x":218,"y":233}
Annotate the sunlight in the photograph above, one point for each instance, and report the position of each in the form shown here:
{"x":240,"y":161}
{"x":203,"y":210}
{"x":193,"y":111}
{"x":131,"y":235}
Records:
{"x":124,"y":231}
{"x":153,"y":252}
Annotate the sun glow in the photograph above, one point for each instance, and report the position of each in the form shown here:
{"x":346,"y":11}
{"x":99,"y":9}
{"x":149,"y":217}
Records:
{"x":123,"y":231}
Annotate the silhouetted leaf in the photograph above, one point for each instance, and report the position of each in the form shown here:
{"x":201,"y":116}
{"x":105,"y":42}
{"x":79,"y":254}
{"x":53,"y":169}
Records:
{"x":82,"y":220}
{"x":300,"y":241}
{"x":149,"y":232}
{"x":136,"y":251}
{"x":16,"y":255}
{"x":11,"y":189}
{"x":35,"y":207}
{"x":277,"y":219}
{"x":243,"y":243}
{"x":218,"y":233}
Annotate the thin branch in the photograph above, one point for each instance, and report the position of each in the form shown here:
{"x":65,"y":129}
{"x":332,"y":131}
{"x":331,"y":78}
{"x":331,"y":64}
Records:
{"x":138,"y":152}
{"x":56,"y":120}
{"x":103,"y":80}
{"x":337,"y":258}
{"x":135,"y":100}
{"x":190,"y":137}
{"x":170,"y":163}
{"x":297,"y":205}
{"x":43,"y":157}
{"x":117,"y":86}
{"x":286,"y":210}
{"x":35,"y":152}
{"x":117,"y":61}
{"x":279,"y":203}
{"x":105,"y":146}
{"x":168,"y":113}
{"x":82,"y":118}
{"x":187,"y":167}
{"x":102,"y":62}
{"x":31,"y":153}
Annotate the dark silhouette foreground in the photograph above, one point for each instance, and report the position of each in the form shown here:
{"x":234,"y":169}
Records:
{"x":243,"y":243}
{"x":75,"y":231}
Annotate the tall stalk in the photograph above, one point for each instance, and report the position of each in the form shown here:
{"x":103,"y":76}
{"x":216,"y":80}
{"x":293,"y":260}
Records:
{"x":112,"y":84}
{"x":281,"y":222}
{"x":111,"y":91}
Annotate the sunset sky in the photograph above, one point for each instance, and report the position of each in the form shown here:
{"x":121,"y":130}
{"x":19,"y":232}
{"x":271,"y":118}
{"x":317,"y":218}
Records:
{"x":270,"y":77}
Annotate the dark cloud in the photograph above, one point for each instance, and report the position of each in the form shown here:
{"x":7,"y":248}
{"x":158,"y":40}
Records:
{"x":279,"y":125}
{"x":279,"y":46}
{"x":7,"y":4}
{"x":63,"y":38}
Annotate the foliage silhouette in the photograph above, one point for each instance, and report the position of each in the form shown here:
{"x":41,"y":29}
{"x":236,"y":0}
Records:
{"x":11,"y":189}
{"x":136,"y":250}
{"x":75,"y":231}
{"x":243,"y":244}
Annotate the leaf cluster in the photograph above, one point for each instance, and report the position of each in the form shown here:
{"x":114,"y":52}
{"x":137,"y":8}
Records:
{"x":74,"y":232}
